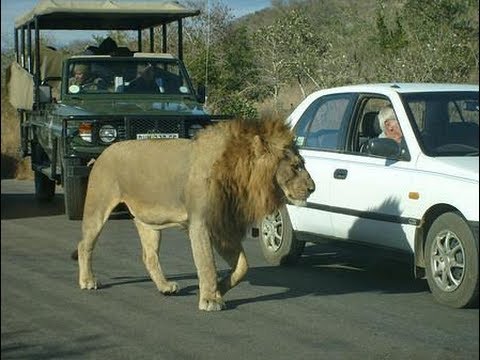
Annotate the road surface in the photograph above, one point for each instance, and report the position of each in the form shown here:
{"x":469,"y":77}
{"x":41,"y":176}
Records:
{"x":337,"y":303}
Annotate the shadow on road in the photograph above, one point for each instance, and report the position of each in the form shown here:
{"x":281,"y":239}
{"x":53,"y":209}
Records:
{"x":19,"y":206}
{"x":324,"y":269}
{"x":327,"y":270}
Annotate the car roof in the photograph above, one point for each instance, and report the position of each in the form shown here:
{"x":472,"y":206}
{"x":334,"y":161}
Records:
{"x":103,"y":14}
{"x":406,"y":87}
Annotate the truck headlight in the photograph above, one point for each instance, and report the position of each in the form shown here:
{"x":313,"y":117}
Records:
{"x":107,"y":133}
{"x":193,"y":129}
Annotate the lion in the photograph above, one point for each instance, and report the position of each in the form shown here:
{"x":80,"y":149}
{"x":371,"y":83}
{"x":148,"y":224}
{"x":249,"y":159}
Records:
{"x":230,"y":175}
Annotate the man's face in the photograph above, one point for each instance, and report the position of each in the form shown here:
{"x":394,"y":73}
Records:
{"x":392,"y":130}
{"x":80,"y":76}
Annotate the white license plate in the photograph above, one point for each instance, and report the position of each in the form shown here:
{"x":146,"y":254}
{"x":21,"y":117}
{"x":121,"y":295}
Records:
{"x":157,"y":136}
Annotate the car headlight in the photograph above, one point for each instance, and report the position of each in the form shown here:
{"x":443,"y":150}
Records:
{"x":107,"y":133}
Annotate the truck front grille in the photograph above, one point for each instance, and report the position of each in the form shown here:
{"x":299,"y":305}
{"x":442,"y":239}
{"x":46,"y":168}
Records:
{"x":134,"y":126}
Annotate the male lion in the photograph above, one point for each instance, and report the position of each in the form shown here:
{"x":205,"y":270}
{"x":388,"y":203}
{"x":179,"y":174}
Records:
{"x":232,"y":174}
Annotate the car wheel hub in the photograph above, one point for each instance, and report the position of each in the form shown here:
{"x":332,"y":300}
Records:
{"x":447,"y":261}
{"x":272,"y":232}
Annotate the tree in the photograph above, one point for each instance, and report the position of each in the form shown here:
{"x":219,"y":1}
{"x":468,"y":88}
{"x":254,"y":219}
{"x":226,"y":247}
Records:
{"x":287,"y":50}
{"x":430,"y":41}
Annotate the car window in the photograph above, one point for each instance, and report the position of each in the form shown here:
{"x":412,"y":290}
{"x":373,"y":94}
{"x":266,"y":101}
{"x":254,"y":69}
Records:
{"x":323,"y":124}
{"x":367,"y":126}
{"x":446,"y":124}
{"x":371,"y":138}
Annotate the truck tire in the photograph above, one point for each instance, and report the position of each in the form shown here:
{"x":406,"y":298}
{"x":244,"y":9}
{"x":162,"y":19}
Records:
{"x":74,"y":189}
{"x":452,"y":261}
{"x":44,"y":187}
{"x":277,"y":240}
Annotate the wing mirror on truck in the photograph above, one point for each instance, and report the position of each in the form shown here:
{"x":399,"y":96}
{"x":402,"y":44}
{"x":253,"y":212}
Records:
{"x":45,"y":94}
{"x":45,"y":89}
{"x":201,"y":94}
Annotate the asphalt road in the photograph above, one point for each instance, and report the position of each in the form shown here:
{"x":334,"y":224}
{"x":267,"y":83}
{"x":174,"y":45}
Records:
{"x":336,"y":304}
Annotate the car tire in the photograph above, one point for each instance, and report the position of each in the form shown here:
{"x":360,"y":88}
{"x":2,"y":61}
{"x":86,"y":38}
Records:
{"x":452,"y":261}
{"x":44,"y":187}
{"x":277,"y":240}
{"x":74,"y":189}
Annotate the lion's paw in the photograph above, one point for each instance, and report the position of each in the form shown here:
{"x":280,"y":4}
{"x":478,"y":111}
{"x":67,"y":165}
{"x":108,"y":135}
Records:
{"x":88,"y":284}
{"x":211,"y":305}
{"x":171,"y":288}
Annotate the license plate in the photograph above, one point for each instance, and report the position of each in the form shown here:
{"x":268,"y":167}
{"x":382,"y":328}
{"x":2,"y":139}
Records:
{"x":157,"y":136}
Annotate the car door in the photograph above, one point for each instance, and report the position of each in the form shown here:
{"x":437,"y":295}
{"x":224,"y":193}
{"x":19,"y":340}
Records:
{"x":369,"y":194}
{"x":320,"y":132}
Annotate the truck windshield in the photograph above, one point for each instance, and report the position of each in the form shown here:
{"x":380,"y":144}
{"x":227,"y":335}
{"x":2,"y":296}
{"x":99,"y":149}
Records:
{"x":446,"y":123}
{"x":135,"y":76}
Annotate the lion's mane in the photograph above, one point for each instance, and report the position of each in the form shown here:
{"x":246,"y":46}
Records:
{"x":242,"y":187}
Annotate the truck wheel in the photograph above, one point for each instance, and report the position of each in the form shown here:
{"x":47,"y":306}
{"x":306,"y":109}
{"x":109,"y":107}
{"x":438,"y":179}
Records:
{"x":44,"y":187}
{"x":452,"y":261}
{"x":278,"y":243}
{"x":74,"y":189}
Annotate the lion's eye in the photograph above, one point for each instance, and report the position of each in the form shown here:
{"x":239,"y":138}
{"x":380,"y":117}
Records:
{"x":299,"y":168}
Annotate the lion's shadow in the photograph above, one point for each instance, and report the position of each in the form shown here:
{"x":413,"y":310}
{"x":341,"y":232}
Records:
{"x":334,"y":272}
{"x":331,"y":274}
{"x":322,"y":271}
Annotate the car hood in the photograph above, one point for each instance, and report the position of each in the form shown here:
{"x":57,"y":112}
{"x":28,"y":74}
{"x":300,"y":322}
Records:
{"x":465,"y":167}
{"x":130,"y":107}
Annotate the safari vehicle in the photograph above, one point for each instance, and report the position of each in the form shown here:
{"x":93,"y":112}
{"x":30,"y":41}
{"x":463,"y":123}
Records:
{"x":417,"y":198}
{"x":64,"y":124}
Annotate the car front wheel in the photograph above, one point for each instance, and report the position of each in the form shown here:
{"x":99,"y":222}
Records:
{"x":452,"y":261}
{"x":279,"y":245}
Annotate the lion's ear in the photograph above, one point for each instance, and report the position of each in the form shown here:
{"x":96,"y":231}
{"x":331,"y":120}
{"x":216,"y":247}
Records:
{"x":258,"y":146}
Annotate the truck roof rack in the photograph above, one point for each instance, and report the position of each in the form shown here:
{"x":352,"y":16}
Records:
{"x":103,"y":15}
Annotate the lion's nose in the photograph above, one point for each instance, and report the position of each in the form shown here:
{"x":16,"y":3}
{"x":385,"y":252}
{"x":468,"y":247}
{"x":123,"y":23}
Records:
{"x":311,"y":186}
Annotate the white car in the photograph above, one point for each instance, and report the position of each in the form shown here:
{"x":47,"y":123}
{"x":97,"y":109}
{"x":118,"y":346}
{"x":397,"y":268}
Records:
{"x":419,"y":197}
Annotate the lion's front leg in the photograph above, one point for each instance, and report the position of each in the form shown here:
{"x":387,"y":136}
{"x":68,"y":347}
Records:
{"x":210,"y":297}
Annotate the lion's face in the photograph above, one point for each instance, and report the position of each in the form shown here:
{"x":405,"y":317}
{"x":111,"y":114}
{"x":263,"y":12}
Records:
{"x":293,"y":178}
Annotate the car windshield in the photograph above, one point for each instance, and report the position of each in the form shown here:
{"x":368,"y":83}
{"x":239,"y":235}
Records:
{"x":134,"y":76}
{"x":446,"y":123}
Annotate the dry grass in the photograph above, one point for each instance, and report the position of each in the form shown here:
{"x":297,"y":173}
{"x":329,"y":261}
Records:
{"x":12,"y":165}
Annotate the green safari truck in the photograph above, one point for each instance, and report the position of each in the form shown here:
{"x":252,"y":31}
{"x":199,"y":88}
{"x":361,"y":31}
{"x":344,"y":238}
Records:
{"x":71,"y":108}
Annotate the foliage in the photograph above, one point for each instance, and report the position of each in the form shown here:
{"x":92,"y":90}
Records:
{"x":429,"y":41}
{"x":298,"y":46}
{"x":237,"y":105}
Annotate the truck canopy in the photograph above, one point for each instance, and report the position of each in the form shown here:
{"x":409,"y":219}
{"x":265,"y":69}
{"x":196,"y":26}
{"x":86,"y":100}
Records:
{"x":103,"y":14}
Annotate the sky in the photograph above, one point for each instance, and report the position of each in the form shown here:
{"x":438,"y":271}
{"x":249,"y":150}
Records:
{"x":11,"y":9}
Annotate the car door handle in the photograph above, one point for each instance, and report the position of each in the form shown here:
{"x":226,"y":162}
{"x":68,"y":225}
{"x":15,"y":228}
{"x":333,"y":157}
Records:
{"x":340,"y":174}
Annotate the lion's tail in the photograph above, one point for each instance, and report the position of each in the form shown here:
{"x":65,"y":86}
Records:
{"x":74,"y":255}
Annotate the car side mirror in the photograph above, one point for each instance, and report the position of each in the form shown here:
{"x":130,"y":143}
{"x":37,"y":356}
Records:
{"x":388,"y":148}
{"x":201,"y":94}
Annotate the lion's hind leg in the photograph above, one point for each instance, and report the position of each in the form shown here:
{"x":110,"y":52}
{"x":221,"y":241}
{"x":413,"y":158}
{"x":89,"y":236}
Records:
{"x":94,"y":218}
{"x":150,"y":240}
{"x":235,"y":256}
